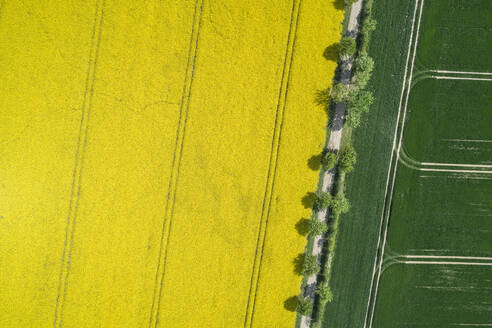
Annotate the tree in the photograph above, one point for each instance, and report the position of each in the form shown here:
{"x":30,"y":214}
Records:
{"x":364,"y":62}
{"x":310,"y":265}
{"x":339,"y":92}
{"x":347,"y":158}
{"x":347,"y":46}
{"x":317,"y":227}
{"x":361,"y":99}
{"x":304,"y":306}
{"x":361,"y":78}
{"x":369,"y":25}
{"x":363,"y":70}
{"x":328,"y":160}
{"x":322,"y":200}
{"x":354,"y":118}
{"x":340,"y":204}
{"x":358,"y":103}
{"x":324,"y":292}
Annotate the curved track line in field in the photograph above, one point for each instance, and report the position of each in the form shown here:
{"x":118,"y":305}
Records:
{"x":397,"y":154}
{"x":389,"y":262}
{"x":447,"y":263}
{"x":455,"y":164}
{"x":437,"y":77}
{"x":409,"y":162}
{"x":472,"y":324}
{"x":403,"y":87}
{"x":468,"y":140}
{"x":423,"y":75}
{"x":273,"y":163}
{"x":406,"y":157}
{"x":79,"y":159}
{"x":176,"y":163}
{"x":459,"y":72}
{"x":450,"y":171}
{"x":414,"y":166}
{"x":457,"y":177}
{"x":479,"y":258}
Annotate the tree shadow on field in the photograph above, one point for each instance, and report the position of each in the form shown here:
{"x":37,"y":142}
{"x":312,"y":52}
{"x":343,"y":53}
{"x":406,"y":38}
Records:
{"x":290,"y":304}
{"x":302,"y":226}
{"x":339,"y":4}
{"x":314,"y":162}
{"x":298,"y":264}
{"x":308,"y":200}
{"x":331,"y":52}
{"x":322,"y":99}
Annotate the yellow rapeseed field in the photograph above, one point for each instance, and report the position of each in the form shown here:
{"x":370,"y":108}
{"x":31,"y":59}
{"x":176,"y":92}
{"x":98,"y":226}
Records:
{"x":154,"y":156}
{"x":44,"y":49}
{"x":303,"y":136}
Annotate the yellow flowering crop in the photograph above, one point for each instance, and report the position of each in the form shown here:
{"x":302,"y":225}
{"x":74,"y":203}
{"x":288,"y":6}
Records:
{"x":154,"y":156}
{"x":303,"y":137}
{"x":43,"y":64}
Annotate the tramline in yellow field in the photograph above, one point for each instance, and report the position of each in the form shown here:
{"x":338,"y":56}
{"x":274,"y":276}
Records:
{"x":154,"y":157}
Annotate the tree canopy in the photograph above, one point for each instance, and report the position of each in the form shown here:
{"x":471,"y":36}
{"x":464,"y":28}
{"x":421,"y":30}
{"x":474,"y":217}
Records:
{"x":322,"y":200}
{"x":328,"y":160}
{"x":304,"y":306}
{"x":317,"y":227}
{"x":347,"y":158}
{"x":347,"y":46}
{"x":310,"y":266}
{"x":339,"y":92}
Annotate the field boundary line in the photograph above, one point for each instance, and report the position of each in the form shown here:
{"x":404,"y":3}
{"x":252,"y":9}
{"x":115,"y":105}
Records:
{"x":403,"y":88}
{"x":273,"y":162}
{"x":176,"y":163}
{"x":79,"y":159}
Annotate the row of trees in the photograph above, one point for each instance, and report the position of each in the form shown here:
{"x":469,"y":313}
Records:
{"x":356,"y":98}
{"x":357,"y":101}
{"x":344,"y":160}
{"x":304,"y":305}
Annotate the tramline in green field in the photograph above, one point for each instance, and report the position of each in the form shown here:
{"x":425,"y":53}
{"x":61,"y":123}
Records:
{"x":437,"y":255}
